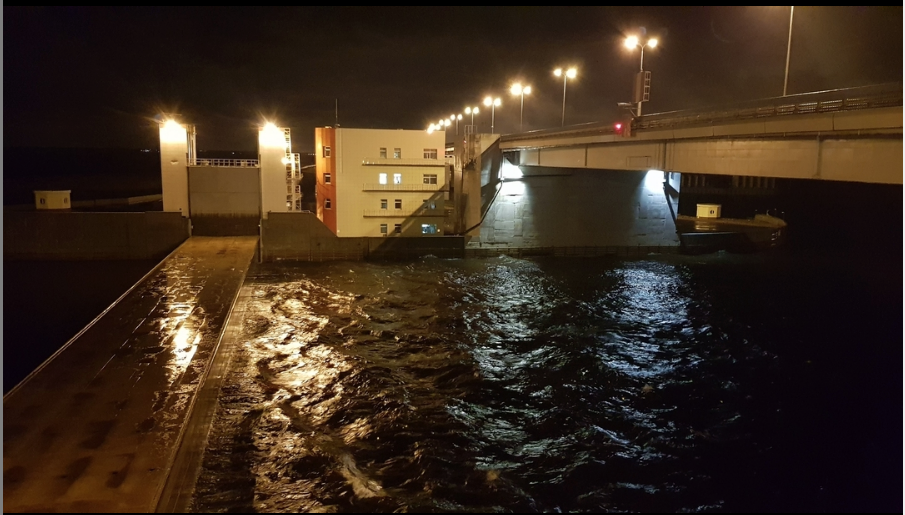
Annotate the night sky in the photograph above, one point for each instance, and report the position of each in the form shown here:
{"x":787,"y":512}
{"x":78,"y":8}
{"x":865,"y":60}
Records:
{"x":96,"y":77}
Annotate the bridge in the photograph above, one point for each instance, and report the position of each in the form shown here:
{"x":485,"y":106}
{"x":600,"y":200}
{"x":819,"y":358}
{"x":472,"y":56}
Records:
{"x":839,"y":135}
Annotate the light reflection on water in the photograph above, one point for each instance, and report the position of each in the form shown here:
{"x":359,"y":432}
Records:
{"x":497,"y":385}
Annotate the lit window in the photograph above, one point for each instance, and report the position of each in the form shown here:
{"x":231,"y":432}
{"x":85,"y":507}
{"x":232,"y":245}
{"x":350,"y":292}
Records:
{"x":383,"y":153}
{"x":327,"y":178}
{"x":383,"y":203}
{"x":397,"y":178}
{"x":327,"y":204}
{"x":397,"y":228}
{"x":428,"y":228}
{"x":398,"y":203}
{"x":383,"y":228}
{"x":430,"y":204}
{"x":430,"y":153}
{"x":430,"y":178}
{"x":383,"y":178}
{"x":397,"y":153}
{"x":326,"y":151}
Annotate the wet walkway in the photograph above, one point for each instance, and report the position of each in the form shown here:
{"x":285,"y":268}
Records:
{"x":96,"y":429}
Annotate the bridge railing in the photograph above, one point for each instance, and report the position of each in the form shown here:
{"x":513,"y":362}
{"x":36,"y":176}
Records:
{"x":850,"y":99}
{"x":780,"y":106}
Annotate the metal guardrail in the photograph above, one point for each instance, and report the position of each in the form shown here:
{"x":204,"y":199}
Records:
{"x":588,"y":251}
{"x":402,"y":213}
{"x":851,"y":99}
{"x":386,"y":161}
{"x":403,"y":187}
{"x":241,"y":163}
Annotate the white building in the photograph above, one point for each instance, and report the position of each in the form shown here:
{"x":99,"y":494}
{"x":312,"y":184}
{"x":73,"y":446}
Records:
{"x":373,"y":182}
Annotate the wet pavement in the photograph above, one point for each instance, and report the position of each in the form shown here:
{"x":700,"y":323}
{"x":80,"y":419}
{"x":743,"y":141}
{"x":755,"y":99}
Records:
{"x":96,"y":429}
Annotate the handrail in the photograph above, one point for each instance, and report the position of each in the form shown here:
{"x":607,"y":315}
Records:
{"x":385,"y":161}
{"x":402,"y":213}
{"x":852,"y":99}
{"x":242,"y":163}
{"x":404,"y":187}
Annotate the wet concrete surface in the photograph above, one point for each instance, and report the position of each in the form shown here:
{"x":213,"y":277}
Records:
{"x":96,"y":429}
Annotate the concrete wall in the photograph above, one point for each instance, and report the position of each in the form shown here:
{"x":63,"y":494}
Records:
{"x":589,"y":207}
{"x":301,"y":236}
{"x":224,"y":191}
{"x":75,"y":235}
{"x":224,"y":201}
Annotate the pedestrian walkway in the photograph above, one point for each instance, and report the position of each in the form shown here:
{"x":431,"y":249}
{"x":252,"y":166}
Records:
{"x":96,"y":428}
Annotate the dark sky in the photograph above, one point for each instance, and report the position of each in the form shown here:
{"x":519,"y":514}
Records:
{"x":95,"y":77}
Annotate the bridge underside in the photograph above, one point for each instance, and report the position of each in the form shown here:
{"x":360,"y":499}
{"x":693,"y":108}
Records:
{"x":850,"y":146}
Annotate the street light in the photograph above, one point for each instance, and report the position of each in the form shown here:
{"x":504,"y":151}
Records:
{"x":517,"y":89}
{"x":492,"y":103}
{"x":472,"y":111}
{"x":631,"y":43}
{"x":568,"y":74}
{"x":456,"y":117}
{"x":785,"y":83}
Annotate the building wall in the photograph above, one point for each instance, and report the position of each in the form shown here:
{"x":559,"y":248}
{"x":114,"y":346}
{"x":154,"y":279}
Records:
{"x":272,"y":148}
{"x":173,"y":168}
{"x":325,"y":137}
{"x":357,"y":189}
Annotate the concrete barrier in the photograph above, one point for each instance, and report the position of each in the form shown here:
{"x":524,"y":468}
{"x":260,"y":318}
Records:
{"x":302,"y":237}
{"x":76,"y":235}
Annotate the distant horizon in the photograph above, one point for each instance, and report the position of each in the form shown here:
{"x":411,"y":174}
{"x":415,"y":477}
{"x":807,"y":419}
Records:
{"x":157,"y":149}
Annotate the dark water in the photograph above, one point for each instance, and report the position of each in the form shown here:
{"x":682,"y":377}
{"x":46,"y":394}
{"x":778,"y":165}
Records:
{"x":715,"y":383}
{"x":45,"y":303}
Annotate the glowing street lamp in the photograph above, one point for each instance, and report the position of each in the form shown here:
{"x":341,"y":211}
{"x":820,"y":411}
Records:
{"x":492,"y":103}
{"x":568,"y":74}
{"x":472,"y":111}
{"x":631,"y":43}
{"x":456,"y":117}
{"x":517,"y":89}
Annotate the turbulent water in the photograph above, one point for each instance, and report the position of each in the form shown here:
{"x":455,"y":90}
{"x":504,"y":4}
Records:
{"x":667,"y":384}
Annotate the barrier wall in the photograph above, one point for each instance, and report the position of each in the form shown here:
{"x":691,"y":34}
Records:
{"x":302,"y":237}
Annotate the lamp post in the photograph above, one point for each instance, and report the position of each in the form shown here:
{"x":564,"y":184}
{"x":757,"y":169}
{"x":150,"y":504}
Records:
{"x":456,"y":117}
{"x":517,"y":89}
{"x":785,"y":83}
{"x":492,"y":103}
{"x":631,"y":43}
{"x":472,"y":111}
{"x":568,"y":74}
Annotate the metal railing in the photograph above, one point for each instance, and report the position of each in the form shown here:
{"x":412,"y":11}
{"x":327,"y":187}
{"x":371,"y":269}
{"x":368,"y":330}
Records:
{"x":588,"y":251}
{"x":403,"y":213}
{"x":385,"y":161}
{"x":404,"y":187}
{"x":851,"y":99}
{"x":241,"y":163}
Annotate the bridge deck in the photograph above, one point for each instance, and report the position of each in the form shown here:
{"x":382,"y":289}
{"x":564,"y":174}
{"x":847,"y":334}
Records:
{"x":97,"y":426}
